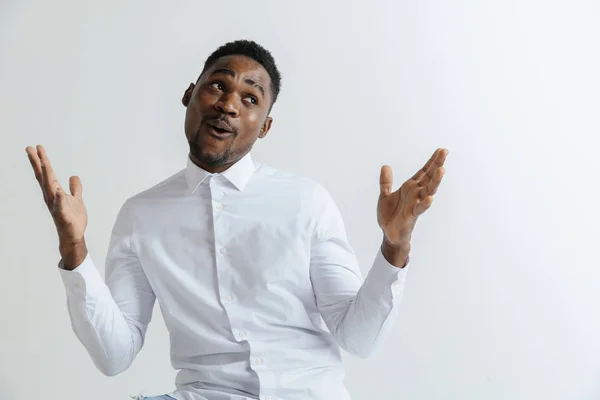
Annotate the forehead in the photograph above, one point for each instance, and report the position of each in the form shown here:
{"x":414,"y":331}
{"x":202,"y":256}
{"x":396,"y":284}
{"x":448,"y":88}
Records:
{"x":242,"y":66}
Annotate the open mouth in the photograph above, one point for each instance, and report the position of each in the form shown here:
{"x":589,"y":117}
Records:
{"x":218,"y":133}
{"x":219,"y":129}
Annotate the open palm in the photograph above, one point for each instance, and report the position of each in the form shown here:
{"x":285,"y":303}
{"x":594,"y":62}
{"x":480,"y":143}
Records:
{"x":397,"y":212}
{"x":67,"y":209}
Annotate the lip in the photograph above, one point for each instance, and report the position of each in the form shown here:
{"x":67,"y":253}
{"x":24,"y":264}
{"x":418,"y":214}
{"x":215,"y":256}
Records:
{"x":220,"y":124}
{"x":212,"y":131}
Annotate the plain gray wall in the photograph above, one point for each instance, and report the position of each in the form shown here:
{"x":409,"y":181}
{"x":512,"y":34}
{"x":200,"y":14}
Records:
{"x":502,"y":294}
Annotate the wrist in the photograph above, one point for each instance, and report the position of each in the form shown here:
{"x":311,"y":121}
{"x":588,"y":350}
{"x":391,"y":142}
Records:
{"x":397,"y":255}
{"x":73,"y":254}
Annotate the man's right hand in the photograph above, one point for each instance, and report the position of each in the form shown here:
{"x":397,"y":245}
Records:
{"x":67,"y":210}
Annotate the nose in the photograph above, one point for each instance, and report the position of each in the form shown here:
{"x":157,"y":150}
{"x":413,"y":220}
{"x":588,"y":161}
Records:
{"x":228,"y":104}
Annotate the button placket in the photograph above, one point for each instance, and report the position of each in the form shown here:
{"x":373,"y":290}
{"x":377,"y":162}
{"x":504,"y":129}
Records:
{"x":257,"y":361}
{"x":241,"y":335}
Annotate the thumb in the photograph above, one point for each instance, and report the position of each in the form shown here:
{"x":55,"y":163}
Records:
{"x":76,"y":187}
{"x":386,"y":179}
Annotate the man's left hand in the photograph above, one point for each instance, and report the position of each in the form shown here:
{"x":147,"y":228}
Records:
{"x":397,"y":212}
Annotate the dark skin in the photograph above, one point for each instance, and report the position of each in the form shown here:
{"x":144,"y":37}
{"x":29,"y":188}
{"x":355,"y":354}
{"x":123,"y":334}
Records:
{"x":227,"y":111}
{"x":236,"y":91}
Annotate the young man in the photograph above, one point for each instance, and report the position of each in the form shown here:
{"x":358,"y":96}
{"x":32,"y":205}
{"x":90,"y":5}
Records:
{"x":251,"y":266}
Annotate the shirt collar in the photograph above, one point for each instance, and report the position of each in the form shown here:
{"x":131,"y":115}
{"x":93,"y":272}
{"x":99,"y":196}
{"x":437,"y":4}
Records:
{"x":238,"y":174}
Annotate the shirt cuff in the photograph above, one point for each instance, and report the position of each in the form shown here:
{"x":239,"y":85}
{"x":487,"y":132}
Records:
{"x":384,"y":275}
{"x":82,"y":280}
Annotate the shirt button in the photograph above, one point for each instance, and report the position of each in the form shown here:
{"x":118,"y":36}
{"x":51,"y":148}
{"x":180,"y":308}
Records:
{"x":222,"y":251}
{"x":242,"y":334}
{"x":228,"y":298}
{"x":258,"y":361}
{"x":219,"y":207}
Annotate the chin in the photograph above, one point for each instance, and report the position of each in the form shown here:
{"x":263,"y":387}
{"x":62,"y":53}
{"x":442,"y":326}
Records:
{"x":208,"y":157}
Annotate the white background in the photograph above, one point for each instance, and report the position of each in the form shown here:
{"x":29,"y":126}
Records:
{"x":502,"y":295}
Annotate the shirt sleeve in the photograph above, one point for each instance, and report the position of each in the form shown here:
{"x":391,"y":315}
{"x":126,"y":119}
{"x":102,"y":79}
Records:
{"x":110,"y":317}
{"x":356,"y":311}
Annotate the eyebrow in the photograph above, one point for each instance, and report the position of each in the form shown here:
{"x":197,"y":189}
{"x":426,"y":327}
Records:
{"x":248,"y":81}
{"x":256,"y":85}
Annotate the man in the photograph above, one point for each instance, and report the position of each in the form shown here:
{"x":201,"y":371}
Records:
{"x":251,"y":266}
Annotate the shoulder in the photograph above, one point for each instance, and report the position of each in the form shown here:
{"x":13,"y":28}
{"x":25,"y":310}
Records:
{"x":295,"y":186}
{"x":171,"y":187}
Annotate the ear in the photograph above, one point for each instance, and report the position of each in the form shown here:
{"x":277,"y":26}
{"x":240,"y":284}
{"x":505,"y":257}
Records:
{"x":187,"y":96}
{"x":265,"y":128}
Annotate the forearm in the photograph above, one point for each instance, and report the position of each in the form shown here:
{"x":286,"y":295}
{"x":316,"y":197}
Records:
{"x":109,"y":338}
{"x":360,"y":321}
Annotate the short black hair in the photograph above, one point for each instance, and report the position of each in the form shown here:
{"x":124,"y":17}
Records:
{"x":251,"y":50}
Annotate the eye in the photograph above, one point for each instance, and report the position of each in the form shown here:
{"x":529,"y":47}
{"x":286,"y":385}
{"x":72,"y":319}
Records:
{"x":217,"y":85}
{"x":251,"y":99}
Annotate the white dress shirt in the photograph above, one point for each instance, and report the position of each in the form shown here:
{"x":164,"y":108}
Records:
{"x":256,"y":281}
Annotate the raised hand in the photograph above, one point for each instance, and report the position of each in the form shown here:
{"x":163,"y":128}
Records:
{"x":397,"y":212}
{"x":67,"y":209}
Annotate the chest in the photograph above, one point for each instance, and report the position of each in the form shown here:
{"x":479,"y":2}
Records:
{"x":247,"y":241}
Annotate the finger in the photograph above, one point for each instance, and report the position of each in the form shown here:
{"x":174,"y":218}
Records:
{"x":425,"y":174}
{"x":76,"y":187}
{"x":60,"y":202}
{"x":431,"y":188}
{"x":49,"y":182}
{"x":36,"y":165}
{"x":425,"y":171}
{"x":422,"y":206}
{"x":386,"y":180}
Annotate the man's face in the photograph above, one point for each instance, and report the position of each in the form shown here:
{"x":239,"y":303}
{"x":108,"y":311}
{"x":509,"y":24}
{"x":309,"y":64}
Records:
{"x":227,"y":110}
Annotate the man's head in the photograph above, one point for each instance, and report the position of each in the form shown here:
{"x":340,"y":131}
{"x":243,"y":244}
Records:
{"x":228,"y":107}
